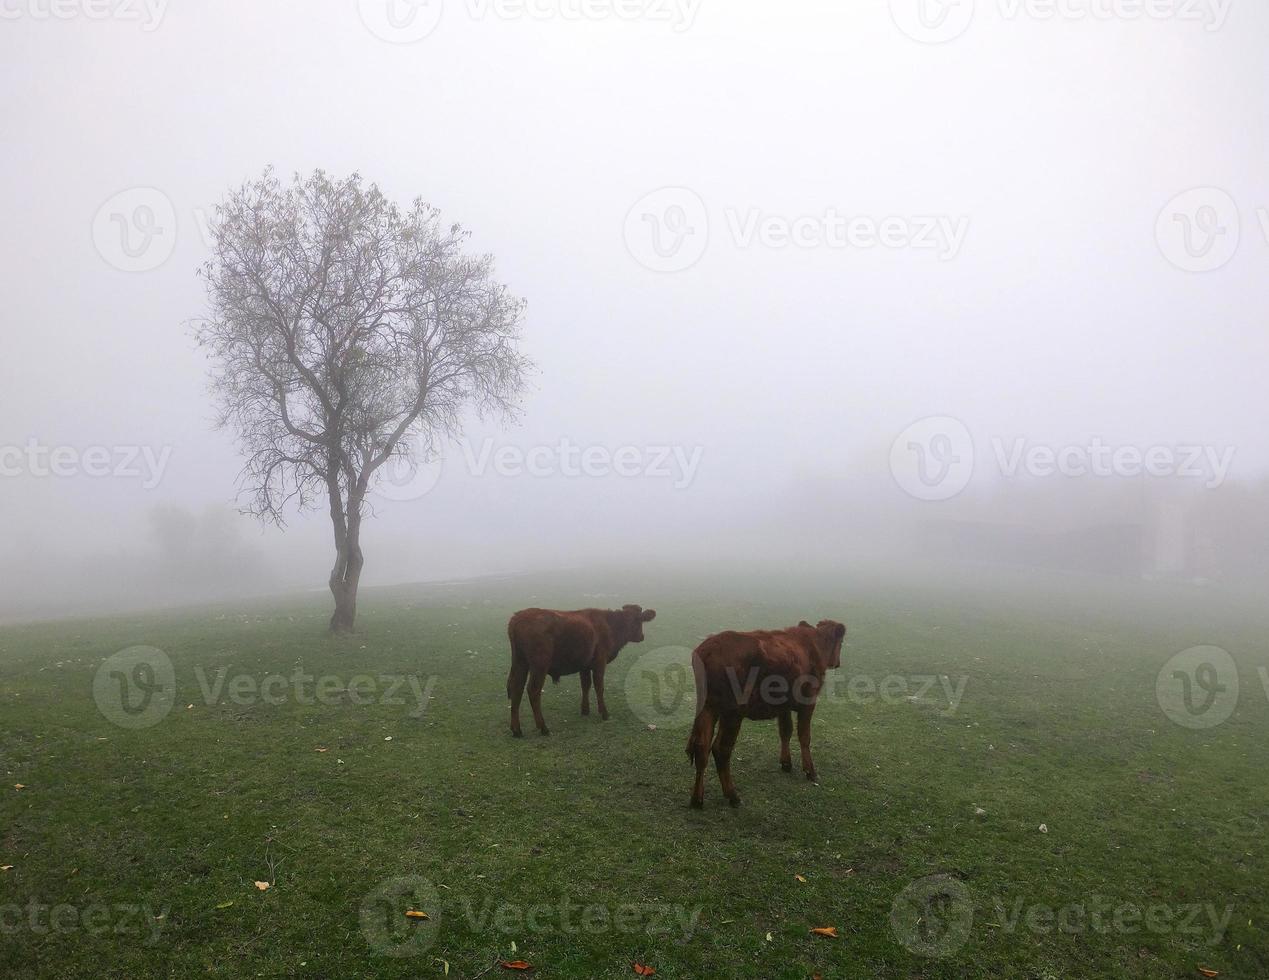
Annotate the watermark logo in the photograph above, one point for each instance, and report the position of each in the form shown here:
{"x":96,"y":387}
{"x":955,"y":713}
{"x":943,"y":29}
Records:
{"x":135,"y":230}
{"x":1199,"y":230}
{"x":932,"y":21}
{"x":667,"y":230}
{"x":401,"y":21}
{"x":660,"y":687}
{"x":34,"y":459}
{"x":410,"y":476}
{"x":408,"y":480}
{"x":136,"y":687}
{"x":1198,"y":688}
{"x":385,"y":924}
{"x":933,"y":916}
{"x":933,"y":459}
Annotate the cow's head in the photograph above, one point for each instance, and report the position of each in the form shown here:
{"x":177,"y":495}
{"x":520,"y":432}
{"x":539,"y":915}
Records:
{"x":829,"y":636}
{"x":629,"y":625}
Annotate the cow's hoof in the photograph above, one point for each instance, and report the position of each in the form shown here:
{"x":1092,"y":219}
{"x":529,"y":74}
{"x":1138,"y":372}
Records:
{"x":734,"y":800}
{"x":586,"y":711}
{"x":786,"y":766}
{"x":698,"y":804}
{"x":604,"y":716}
{"x":516,"y":733}
{"x":812,"y":776}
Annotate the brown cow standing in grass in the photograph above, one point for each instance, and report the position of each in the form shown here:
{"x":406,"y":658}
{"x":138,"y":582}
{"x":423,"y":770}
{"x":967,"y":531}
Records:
{"x":763,"y":674}
{"x":585,"y":641}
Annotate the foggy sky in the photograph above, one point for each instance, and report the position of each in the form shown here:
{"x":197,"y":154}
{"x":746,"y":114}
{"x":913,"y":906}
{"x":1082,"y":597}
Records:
{"x":1054,"y":144}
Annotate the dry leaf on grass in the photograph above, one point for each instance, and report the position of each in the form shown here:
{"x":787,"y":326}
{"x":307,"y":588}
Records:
{"x":264,"y":886}
{"x":1208,"y":972}
{"x":224,"y":905}
{"x":516,"y":965}
{"x":643,"y":971}
{"x":416,"y":914}
{"x":828,"y":932}
{"x":19,"y":786}
{"x":6,"y":867}
{"x":800,"y":878}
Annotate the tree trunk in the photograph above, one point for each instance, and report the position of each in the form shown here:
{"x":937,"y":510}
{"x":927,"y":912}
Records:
{"x":346,"y":573}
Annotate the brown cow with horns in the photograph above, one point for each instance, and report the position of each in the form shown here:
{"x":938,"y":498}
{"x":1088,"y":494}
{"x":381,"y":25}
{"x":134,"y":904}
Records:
{"x":763,"y":674}
{"x":585,"y":641}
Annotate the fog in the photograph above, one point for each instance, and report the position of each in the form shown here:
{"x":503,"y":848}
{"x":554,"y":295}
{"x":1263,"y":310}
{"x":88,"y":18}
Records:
{"x":803,"y":289}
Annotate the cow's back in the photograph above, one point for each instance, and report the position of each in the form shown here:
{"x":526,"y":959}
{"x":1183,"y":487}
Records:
{"x":735,"y":666}
{"x":559,"y":642}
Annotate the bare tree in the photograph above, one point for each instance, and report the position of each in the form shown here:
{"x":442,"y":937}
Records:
{"x":344,"y":332}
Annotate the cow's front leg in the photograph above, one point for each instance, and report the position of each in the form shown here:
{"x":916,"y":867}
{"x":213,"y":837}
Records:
{"x":536,"y":679}
{"x":786,"y":732}
{"x":804,"y":740}
{"x":599,"y":690}
{"x":585,"y":692}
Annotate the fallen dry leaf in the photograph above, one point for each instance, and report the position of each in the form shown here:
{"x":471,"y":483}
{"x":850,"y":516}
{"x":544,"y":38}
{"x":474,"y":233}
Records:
{"x":416,"y":914}
{"x":264,"y":886}
{"x":516,"y":965}
{"x":224,"y":905}
{"x":1207,"y":972}
{"x":19,"y":786}
{"x":643,"y":971}
{"x":800,"y":878}
{"x":6,"y":867}
{"x":828,"y":932}
{"x":323,"y":750}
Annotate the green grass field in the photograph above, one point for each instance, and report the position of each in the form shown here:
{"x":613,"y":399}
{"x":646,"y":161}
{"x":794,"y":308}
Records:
{"x":578,"y":853}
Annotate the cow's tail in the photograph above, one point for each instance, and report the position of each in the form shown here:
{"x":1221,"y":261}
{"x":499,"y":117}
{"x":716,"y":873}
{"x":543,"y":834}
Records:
{"x":517,"y":655}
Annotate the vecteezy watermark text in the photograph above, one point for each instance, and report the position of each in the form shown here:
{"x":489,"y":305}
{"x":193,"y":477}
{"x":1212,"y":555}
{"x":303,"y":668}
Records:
{"x":940,"y":21}
{"x":35,"y":459}
{"x":94,"y":919}
{"x":409,"y":478}
{"x":1104,"y":916}
{"x":935,"y":459}
{"x":408,"y":21}
{"x":668,"y":230}
{"x":148,"y":12}
{"x":136,"y":688}
{"x":661,"y":688}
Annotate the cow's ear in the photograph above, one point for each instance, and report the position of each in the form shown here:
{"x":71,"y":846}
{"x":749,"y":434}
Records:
{"x":648,"y":614}
{"x":839,"y":634}
{"x":803,"y":622}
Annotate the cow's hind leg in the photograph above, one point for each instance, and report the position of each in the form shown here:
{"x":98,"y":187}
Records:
{"x":536,"y":679}
{"x":786,"y":732}
{"x":728,"y":729}
{"x":599,"y":692}
{"x":702,"y":737}
{"x":804,"y":740}
{"x":585,"y":692}
{"x":515,"y":691}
